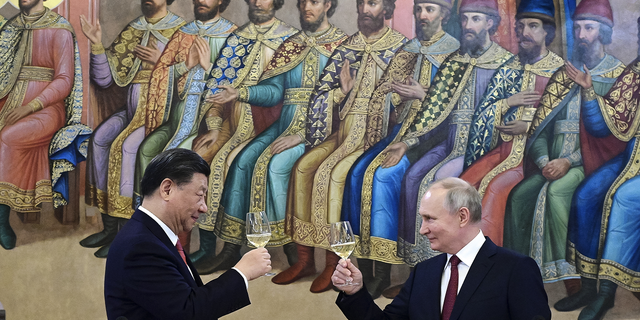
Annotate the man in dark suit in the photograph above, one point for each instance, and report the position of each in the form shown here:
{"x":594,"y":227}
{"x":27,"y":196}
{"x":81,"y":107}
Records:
{"x":147,"y":274}
{"x":474,"y":279}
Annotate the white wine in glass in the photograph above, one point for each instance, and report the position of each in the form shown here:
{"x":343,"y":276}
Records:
{"x":258,"y":231}
{"x":342,"y":241}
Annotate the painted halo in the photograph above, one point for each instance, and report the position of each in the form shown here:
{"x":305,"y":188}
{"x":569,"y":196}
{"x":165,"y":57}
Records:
{"x":49,"y":3}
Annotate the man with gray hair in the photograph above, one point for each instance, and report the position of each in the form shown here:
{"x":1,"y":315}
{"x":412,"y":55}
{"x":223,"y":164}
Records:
{"x":498,"y":283}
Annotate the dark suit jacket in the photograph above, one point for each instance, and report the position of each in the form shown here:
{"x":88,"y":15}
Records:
{"x":146,"y":278}
{"x":500,"y":285}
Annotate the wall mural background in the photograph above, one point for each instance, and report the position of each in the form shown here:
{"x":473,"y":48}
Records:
{"x":48,"y":242}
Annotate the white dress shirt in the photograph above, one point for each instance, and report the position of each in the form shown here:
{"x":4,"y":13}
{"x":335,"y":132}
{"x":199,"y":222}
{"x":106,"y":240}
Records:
{"x":466,"y":255}
{"x":174,"y":239}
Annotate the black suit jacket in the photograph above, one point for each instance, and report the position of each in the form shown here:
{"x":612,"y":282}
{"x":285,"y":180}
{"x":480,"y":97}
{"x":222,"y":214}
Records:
{"x":501,"y":284}
{"x":145,"y":278}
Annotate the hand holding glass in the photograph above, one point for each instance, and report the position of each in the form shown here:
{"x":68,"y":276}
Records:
{"x":342,"y":241}
{"x":258,"y":231}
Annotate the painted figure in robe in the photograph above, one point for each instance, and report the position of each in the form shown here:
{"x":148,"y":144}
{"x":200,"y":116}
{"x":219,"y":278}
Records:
{"x":41,"y":137}
{"x":128,"y":64}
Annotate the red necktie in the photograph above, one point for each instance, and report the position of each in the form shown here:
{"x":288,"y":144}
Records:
{"x":452,"y":289}
{"x":181,"y":252}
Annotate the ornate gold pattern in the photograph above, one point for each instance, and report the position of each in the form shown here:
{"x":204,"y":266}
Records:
{"x":25,"y":200}
{"x":123,"y":63}
{"x":214,"y":123}
{"x":247,"y":76}
{"x":403,"y":65}
{"x":354,"y":112}
{"x":117,"y":205}
{"x":589,"y":94}
{"x":35,"y":73}
{"x":546,"y":67}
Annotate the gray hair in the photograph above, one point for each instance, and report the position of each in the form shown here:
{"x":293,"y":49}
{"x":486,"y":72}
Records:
{"x":460,"y":194}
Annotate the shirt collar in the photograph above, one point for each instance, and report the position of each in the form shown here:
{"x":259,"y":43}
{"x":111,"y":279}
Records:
{"x":469,"y":252}
{"x":172,"y":236}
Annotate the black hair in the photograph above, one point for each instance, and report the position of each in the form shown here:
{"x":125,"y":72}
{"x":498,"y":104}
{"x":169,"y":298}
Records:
{"x":496,"y":22}
{"x":551,"y":32}
{"x":177,"y":164}
{"x":389,"y":7}
{"x":223,"y":6}
{"x":169,"y":2}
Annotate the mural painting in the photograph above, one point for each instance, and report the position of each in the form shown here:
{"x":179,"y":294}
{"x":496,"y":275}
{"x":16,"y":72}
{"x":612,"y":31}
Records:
{"x":315,"y":117}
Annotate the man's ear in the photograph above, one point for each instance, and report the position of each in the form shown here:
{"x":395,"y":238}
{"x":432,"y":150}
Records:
{"x":490,"y":23}
{"x":465,"y":216}
{"x":165,"y":188}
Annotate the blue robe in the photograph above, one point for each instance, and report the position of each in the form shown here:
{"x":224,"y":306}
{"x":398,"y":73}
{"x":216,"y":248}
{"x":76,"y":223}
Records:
{"x":258,"y":180}
{"x":604,"y":224}
{"x":421,"y":61}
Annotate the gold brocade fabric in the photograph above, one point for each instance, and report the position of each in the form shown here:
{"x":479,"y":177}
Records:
{"x":405,"y":65}
{"x":238,"y":128}
{"x":619,"y":108}
{"x":111,"y":202}
{"x":123,"y":63}
{"x":546,"y":68}
{"x":311,"y":225}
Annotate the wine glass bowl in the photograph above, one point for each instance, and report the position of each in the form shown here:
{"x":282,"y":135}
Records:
{"x":258,"y":231}
{"x":342,"y":241}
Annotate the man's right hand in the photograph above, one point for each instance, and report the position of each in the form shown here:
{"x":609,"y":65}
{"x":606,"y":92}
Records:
{"x":255,"y":263}
{"x":345,"y":270}
{"x":193,"y":58}
{"x":205,"y":141}
{"x":581,"y":78}
{"x":284,"y":143}
{"x":411,"y":90}
{"x":226,"y":94}
{"x":395,"y":152}
{"x":93,"y":32}
{"x":347,"y":78}
{"x":524,"y":98}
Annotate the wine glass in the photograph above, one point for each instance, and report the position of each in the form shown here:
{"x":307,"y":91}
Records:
{"x":258,"y":231}
{"x":342,"y":241}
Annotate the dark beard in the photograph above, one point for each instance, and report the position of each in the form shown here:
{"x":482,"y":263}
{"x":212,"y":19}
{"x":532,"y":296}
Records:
{"x":212,"y":13}
{"x":311,"y":26}
{"x":426,"y":31}
{"x":473,"y":47}
{"x":27,"y":7}
{"x":258,"y":16}
{"x":148,"y":10}
{"x":368,"y":27}
{"x":585,"y":54}
{"x":529,"y":56}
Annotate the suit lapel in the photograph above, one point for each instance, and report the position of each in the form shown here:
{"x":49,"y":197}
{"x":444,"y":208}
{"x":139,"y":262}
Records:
{"x":157,"y":230}
{"x":481,"y":265}
{"x":434,"y":278}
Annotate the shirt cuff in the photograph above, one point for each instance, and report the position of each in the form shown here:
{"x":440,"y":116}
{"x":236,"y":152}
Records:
{"x":214,"y":123}
{"x":588,"y":94}
{"x":338,"y":95}
{"x":243,"y":94}
{"x":181,"y":68}
{"x":411,"y":142}
{"x":542,"y":161}
{"x":97,"y":48}
{"x":35,"y":105}
{"x":246,"y":282}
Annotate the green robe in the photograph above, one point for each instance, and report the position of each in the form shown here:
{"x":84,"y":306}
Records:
{"x":537,"y":213}
{"x":255,"y":182}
